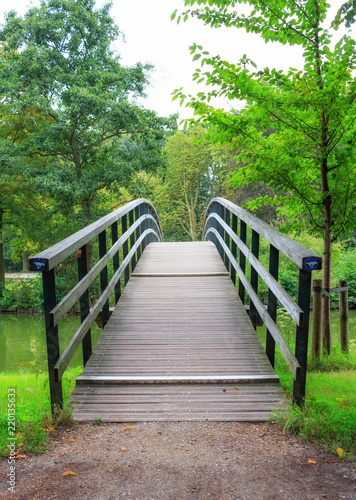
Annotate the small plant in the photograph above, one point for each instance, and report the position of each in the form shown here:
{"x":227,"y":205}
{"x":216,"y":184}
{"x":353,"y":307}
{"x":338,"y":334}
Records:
{"x":97,"y":421}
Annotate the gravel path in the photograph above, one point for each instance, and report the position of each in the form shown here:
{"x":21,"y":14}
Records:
{"x":178,"y":461}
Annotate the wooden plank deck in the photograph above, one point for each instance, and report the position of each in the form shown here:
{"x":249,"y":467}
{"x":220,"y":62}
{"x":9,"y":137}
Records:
{"x":179,"y":346}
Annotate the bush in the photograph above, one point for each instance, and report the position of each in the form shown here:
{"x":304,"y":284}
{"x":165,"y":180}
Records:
{"x":346,"y":270}
{"x":27,"y":294}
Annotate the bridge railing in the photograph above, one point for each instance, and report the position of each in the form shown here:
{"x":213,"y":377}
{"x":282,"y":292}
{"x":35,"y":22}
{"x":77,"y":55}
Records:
{"x":226,"y":225}
{"x":139,"y":226}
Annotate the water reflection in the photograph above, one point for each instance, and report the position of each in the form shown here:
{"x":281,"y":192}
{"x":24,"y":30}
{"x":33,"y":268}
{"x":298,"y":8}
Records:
{"x":23,"y":340}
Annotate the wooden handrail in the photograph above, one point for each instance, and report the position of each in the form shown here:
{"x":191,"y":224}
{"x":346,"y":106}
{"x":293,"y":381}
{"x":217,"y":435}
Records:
{"x":140,"y":225}
{"x":55,"y":254}
{"x":221,"y":222}
{"x":290,"y":248}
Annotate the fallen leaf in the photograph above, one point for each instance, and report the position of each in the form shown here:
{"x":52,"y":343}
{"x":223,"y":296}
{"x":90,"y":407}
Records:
{"x":71,"y":439}
{"x":123,"y":449}
{"x":69,"y":473}
{"x":311,"y":461}
{"x":224,"y":390}
{"x":340,"y":452}
{"x":128,"y":427}
{"x":339,"y":400}
{"x":19,"y":456}
{"x":237,"y":388}
{"x":51,"y":429}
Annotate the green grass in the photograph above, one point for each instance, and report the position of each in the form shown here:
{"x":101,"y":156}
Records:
{"x":328,"y":418}
{"x":34,"y":422}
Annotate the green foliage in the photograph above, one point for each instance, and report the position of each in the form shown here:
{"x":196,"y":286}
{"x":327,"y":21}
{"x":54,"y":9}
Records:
{"x":195,"y":173}
{"x":34,"y":422}
{"x":71,"y":130}
{"x":28,"y":294}
{"x":346,"y":270}
{"x":329,"y":416}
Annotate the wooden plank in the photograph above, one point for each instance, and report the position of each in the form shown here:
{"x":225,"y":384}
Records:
{"x":211,"y":379}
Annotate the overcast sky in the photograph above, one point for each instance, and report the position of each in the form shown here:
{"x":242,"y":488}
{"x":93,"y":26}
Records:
{"x":152,"y":37}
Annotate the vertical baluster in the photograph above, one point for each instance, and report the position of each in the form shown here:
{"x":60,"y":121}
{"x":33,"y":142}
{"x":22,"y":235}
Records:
{"x":220,"y":212}
{"x":272,"y":302}
{"x":242,"y":259}
{"x":233,"y":247}
{"x":138,"y":232}
{"x":84,"y":302}
{"x":132,"y":241}
{"x":116,"y":260}
{"x":227,"y":238}
{"x":104,"y":276}
{"x":301,"y":339}
{"x":255,"y":249}
{"x":50,"y":301}
{"x":125,"y":248}
{"x":144,"y":225}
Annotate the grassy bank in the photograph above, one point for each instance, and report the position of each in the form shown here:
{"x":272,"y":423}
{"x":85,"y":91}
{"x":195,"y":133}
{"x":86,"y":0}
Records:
{"x":34,"y":422}
{"x":329,"y":416}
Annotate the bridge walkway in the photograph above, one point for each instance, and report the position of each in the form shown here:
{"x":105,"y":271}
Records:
{"x":179,"y":346}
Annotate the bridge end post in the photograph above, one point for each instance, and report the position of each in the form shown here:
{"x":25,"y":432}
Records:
{"x":301,"y":339}
{"x":52,"y":340}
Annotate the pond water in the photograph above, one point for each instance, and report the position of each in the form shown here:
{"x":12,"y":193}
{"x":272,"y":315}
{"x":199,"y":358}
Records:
{"x":23,"y":338}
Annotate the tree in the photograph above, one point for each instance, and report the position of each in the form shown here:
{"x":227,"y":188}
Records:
{"x":309,"y":159}
{"x":195,"y":173}
{"x":57,"y":61}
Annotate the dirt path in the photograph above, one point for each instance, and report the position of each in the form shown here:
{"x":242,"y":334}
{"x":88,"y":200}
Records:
{"x":177,"y":461}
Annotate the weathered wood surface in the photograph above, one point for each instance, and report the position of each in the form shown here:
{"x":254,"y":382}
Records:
{"x":179,"y":330}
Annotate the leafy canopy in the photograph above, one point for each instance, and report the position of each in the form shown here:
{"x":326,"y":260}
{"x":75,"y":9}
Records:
{"x":311,"y":111}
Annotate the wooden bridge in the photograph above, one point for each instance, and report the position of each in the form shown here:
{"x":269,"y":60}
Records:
{"x":179,"y":344}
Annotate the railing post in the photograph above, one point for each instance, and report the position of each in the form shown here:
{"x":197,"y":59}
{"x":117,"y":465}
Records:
{"x":116,"y":260}
{"x":132,"y":240}
{"x":84,"y":302}
{"x":272,"y":302}
{"x":233,"y":247}
{"x":255,"y":249}
{"x":104,"y":276}
{"x":344,"y":316}
{"x":138,"y":232}
{"x":316,"y":326}
{"x":301,"y":340}
{"x":50,"y":301}
{"x":242,"y":259}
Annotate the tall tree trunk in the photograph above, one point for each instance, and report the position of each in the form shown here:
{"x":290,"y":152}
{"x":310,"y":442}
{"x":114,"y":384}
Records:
{"x":2,"y":259}
{"x":326,"y":322}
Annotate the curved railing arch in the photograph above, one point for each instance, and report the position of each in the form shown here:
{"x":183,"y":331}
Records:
{"x":139,"y":226}
{"x":222,"y":222}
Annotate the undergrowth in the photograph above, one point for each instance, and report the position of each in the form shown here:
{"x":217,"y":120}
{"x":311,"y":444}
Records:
{"x":34,"y":421}
{"x":328,"y":417}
